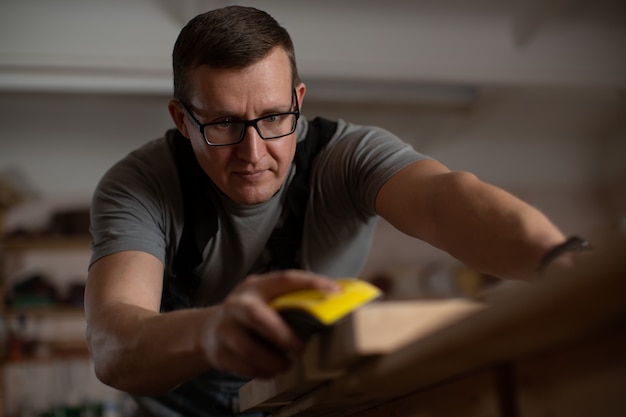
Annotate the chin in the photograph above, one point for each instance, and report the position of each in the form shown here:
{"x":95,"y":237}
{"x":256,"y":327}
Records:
{"x":252,"y":198}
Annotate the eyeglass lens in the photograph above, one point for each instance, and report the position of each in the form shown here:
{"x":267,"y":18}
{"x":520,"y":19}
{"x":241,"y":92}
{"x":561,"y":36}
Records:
{"x":269,"y":127}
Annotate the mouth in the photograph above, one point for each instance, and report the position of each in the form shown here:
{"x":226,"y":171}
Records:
{"x":252,"y":175}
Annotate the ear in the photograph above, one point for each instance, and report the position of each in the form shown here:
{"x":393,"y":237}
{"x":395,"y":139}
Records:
{"x":300,"y":92}
{"x":177,"y":113}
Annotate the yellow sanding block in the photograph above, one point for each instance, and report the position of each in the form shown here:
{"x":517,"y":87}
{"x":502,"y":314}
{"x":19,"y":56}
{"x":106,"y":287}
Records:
{"x":310,"y":311}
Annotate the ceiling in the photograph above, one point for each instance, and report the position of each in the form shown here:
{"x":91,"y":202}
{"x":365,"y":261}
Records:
{"x":124,"y":47}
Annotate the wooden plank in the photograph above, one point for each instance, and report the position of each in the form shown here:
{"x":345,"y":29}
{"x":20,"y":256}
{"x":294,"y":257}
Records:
{"x":382,"y":328}
{"x":587,"y":379}
{"x":559,"y":311}
{"x":375,"y":329}
{"x":302,"y":377}
{"x":554,"y":311}
{"x":474,"y":395}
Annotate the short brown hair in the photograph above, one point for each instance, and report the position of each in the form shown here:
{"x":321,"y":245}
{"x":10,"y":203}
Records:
{"x":229,"y":37}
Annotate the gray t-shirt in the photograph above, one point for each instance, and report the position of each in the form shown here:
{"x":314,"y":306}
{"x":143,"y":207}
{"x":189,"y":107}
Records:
{"x":138,"y":206}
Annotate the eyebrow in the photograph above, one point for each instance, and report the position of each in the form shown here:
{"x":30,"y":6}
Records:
{"x":220,"y":114}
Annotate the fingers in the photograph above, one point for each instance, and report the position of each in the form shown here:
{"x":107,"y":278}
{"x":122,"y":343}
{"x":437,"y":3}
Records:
{"x":244,"y":353}
{"x":247,"y":336}
{"x":274,"y":284}
{"x":257,"y":291}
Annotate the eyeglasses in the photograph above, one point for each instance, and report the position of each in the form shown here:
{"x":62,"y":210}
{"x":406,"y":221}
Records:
{"x":230,"y":132}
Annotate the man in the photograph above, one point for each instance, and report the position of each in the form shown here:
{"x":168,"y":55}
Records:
{"x":180,"y":331}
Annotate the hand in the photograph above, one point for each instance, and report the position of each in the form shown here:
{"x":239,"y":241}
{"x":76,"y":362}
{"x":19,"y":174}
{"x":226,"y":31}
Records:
{"x":246,"y":336}
{"x":564,"y":264}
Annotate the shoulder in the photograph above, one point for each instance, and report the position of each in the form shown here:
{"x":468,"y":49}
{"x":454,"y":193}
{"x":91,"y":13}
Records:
{"x":145,"y":180}
{"x":366,"y":146}
{"x":355,"y":164}
{"x":135,"y":201}
{"x":353,"y":137}
{"x":152,"y":163}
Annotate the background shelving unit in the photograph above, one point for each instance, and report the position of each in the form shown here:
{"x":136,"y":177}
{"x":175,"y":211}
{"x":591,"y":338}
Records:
{"x":43,"y":344}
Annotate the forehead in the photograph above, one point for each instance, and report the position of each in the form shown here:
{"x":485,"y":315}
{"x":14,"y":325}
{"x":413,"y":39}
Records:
{"x":267,"y":80}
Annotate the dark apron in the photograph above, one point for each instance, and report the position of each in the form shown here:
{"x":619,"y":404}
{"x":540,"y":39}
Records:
{"x":214,"y":394}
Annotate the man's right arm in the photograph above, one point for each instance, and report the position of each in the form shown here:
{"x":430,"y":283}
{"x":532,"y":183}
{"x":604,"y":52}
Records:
{"x":137,"y":349}
{"x":131,"y":343}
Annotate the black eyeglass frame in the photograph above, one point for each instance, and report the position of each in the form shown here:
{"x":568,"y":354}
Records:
{"x":244,"y":123}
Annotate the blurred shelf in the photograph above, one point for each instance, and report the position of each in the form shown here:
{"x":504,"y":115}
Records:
{"x":63,"y":342}
{"x":50,"y":351}
{"x":52,"y":242}
{"x":43,"y":311}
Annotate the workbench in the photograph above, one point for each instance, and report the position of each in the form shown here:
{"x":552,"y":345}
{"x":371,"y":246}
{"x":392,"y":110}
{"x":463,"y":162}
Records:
{"x":556,"y":347}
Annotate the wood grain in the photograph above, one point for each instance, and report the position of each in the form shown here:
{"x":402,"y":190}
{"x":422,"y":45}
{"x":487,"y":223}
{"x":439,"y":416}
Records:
{"x":376,"y":329}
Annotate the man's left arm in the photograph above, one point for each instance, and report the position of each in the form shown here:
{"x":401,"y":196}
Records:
{"x":479,"y":224}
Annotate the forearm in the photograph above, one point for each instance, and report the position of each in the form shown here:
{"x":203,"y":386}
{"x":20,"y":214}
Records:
{"x":139,"y":350}
{"x":488,"y":228}
{"x":146,"y":353}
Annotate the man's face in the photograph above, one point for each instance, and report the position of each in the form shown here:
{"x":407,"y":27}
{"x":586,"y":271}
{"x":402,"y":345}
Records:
{"x":253,"y":170}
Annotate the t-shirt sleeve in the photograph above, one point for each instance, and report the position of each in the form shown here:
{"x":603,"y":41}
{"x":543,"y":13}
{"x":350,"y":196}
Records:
{"x":128,"y":210}
{"x":358,"y":162}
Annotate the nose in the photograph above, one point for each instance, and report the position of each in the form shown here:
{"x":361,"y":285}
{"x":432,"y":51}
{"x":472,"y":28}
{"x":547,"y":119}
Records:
{"x":252,"y":149}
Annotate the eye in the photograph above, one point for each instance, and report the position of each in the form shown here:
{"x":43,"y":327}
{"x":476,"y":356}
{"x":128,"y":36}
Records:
{"x":224,"y":124}
{"x":273,"y":118}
